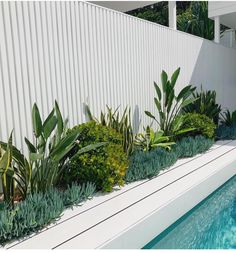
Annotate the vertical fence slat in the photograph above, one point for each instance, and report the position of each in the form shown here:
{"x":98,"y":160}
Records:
{"x":77,"y":52}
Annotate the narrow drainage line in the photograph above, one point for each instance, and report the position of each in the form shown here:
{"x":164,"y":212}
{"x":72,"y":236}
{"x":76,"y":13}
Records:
{"x":146,"y":181}
{"x":98,"y":223}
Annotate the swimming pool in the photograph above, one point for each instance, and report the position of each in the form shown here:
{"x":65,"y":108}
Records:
{"x":209,"y":225}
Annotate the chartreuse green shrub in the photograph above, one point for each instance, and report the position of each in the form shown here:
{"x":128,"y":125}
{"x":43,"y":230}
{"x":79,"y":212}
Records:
{"x":119,"y":122}
{"x":106,"y":166}
{"x":148,"y":164}
{"x":39,"y":210}
{"x":201,"y":123}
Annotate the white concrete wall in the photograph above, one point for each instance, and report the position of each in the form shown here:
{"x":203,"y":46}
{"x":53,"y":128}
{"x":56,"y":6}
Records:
{"x":77,"y":52}
{"x":228,"y":38}
{"x":218,"y":8}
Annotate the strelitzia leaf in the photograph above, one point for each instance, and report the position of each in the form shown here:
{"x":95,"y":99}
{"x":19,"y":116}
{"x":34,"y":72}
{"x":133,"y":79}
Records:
{"x":31,"y":147}
{"x":49,"y":124}
{"x":60,"y":124}
{"x":149,"y":115}
{"x":174,"y":77}
{"x":164,"y":79}
{"x":36,"y":120}
{"x":158,"y":91}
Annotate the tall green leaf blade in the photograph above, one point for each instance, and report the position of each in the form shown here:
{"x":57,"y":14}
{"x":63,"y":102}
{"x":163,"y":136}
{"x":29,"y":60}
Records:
{"x":60,"y":124}
{"x":174,"y":77}
{"x":149,"y":114}
{"x":158,"y":104}
{"x":183,"y":92}
{"x":65,"y":145}
{"x":49,"y":126}
{"x":37,"y":122}
{"x":158,"y":90}
{"x":164,"y":79}
{"x":31,"y":147}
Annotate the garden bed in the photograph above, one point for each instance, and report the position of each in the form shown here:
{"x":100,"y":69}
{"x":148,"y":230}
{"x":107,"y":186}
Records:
{"x":132,"y":216}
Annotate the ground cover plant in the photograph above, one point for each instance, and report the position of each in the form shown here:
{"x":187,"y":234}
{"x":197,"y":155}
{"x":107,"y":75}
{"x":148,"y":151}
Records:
{"x":39,"y":210}
{"x":226,"y":132}
{"x":148,"y":164}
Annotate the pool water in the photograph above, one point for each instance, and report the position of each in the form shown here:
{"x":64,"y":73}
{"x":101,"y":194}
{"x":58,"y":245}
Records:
{"x":209,"y":225}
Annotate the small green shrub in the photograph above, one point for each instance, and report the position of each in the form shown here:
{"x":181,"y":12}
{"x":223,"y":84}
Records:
{"x":105,"y":166}
{"x":202,"y":124}
{"x":148,"y":164}
{"x":119,"y":122}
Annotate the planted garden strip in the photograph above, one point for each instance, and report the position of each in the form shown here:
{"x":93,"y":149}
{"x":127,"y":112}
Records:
{"x":164,"y":172}
{"x":110,"y":207}
{"x":104,"y":152}
{"x":66,"y":244}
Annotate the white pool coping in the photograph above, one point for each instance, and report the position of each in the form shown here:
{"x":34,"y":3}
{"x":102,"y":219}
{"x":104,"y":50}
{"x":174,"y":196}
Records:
{"x":131,"y":217}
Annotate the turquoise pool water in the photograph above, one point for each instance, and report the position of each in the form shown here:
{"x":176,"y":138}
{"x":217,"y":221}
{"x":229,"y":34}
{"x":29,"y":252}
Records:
{"x":209,"y":225}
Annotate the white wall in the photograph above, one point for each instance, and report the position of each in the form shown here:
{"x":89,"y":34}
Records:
{"x":77,"y":52}
{"x":218,"y":8}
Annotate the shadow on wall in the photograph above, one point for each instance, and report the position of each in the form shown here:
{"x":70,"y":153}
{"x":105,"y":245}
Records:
{"x":136,"y":119}
{"x":208,"y":61}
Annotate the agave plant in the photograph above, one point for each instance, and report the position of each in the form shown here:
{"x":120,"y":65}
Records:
{"x":169,"y":105}
{"x":228,"y":119}
{"x":205,"y":103}
{"x":49,"y":155}
{"x":150,"y":140}
{"x":122,"y":124}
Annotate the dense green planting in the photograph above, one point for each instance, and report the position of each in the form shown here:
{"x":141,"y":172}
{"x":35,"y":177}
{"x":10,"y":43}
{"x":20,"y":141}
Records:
{"x":148,"y":164}
{"x":102,"y":152}
{"x":48,"y":157}
{"x":205,"y":103}
{"x":228,"y":118}
{"x":39,"y":210}
{"x":201,"y":123}
{"x":120,"y":123}
{"x":226,"y":132}
{"x":169,"y":105}
{"x":105,"y":166}
{"x":151,"y":139}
